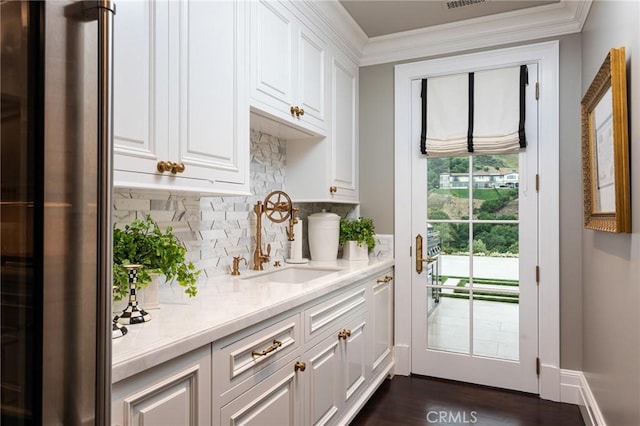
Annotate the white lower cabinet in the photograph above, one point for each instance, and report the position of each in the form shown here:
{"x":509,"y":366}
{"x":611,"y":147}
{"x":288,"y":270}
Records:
{"x":177,"y":392}
{"x":336,"y":370}
{"x":345,"y":351}
{"x":322,"y":379}
{"x":382,"y":322}
{"x":273,"y":401}
{"x":313,"y":365}
{"x":354,"y":355}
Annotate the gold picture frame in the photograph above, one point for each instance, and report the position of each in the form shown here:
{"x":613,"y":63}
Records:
{"x":605,"y":148}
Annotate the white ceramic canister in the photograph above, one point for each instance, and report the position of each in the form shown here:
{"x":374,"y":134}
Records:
{"x":324,"y":230}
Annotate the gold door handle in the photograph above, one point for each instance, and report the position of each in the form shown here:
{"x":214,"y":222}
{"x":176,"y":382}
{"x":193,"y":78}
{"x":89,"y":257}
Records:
{"x":333,"y":189}
{"x":419,"y":259}
{"x":177,"y":168}
{"x":299,"y":366}
{"x":344,"y":334}
{"x":164,"y":166}
{"x":386,"y":279}
{"x":276,"y":344}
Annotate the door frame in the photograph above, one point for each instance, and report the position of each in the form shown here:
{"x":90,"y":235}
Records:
{"x":546,"y":55}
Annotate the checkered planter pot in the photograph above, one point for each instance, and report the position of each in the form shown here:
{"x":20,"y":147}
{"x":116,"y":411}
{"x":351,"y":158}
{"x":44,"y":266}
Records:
{"x":133,"y":314}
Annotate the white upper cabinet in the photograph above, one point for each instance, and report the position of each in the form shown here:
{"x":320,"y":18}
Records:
{"x":344,"y":134}
{"x":289,"y":80}
{"x":180,"y":96}
{"x":326,"y":170}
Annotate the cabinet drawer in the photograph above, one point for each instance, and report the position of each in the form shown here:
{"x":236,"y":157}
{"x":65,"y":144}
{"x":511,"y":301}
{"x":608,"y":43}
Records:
{"x":329,"y":316}
{"x":250,"y":356}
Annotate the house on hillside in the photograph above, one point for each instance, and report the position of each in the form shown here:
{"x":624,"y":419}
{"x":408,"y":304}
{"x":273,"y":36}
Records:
{"x":481,"y":180}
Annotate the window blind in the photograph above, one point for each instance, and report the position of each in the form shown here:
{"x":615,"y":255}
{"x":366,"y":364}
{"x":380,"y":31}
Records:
{"x":480,"y":112}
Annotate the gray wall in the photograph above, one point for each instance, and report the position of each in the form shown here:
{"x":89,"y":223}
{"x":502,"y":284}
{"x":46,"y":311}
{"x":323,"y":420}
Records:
{"x":376,"y":178}
{"x":611,"y":263}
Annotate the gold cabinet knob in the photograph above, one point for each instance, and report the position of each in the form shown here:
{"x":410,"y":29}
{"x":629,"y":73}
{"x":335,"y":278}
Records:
{"x":177,"y":168}
{"x":296,"y":110}
{"x":333,"y":189}
{"x":344,"y":334}
{"x":164,"y":166}
{"x":299,"y":366}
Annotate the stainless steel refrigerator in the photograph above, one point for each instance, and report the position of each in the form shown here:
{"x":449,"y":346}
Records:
{"x":55,"y":236}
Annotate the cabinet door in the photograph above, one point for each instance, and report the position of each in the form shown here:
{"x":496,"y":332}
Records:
{"x":354,"y":355}
{"x":382,"y":321}
{"x":274,"y":401}
{"x":344,"y":138}
{"x":175,"y":393}
{"x":323,"y":378}
{"x":312,"y":81}
{"x":139,"y":123}
{"x":273,"y":64}
{"x":211,"y":111}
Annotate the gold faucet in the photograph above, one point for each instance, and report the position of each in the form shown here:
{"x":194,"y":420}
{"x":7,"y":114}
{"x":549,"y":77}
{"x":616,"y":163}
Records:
{"x":276,"y":211}
{"x":258,"y":256}
{"x":236,"y":265}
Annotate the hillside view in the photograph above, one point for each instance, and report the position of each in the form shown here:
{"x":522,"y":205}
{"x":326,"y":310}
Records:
{"x":495,"y":198}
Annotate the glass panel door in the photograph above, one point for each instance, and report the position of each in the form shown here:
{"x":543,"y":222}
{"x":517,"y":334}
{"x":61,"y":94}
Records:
{"x":475,"y":305}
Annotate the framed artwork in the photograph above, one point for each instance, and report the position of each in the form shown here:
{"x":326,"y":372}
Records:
{"x":605,"y":148}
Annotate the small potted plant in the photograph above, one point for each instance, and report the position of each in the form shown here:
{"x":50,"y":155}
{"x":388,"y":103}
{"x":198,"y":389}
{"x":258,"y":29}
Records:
{"x":357,"y":238}
{"x":143,"y":243}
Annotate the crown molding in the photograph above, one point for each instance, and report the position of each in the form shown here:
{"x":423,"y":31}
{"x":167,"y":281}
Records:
{"x":346,"y":33}
{"x":552,"y":20}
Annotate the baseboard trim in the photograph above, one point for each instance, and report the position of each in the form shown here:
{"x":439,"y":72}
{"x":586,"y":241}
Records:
{"x":574,"y":389}
{"x":402,"y":357}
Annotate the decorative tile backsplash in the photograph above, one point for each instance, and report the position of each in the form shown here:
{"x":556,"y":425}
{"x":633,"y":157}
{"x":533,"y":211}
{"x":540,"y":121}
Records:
{"x":214,"y":229}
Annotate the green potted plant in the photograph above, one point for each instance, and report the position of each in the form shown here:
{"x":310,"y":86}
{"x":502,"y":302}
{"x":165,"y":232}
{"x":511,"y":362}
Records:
{"x":357,"y":238}
{"x":143,"y":243}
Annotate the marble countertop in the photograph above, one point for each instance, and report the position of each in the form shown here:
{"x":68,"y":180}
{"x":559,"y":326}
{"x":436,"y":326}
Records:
{"x":224,"y":305}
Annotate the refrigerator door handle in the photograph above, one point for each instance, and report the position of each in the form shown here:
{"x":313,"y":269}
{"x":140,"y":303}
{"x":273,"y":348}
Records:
{"x":106,"y":11}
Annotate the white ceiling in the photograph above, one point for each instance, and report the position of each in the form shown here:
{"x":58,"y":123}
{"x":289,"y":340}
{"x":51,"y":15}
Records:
{"x":382,"y":17}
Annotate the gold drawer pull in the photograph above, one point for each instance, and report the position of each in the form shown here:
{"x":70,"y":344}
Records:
{"x":344,"y":334}
{"x":386,"y":279}
{"x":276,"y":344}
{"x":333,"y":189}
{"x":299,"y":366}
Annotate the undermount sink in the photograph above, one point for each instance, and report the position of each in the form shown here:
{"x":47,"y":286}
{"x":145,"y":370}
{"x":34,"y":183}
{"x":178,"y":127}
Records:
{"x":292,"y":275}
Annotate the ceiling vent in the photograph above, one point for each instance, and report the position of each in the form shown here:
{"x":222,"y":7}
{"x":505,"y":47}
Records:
{"x":454,"y":4}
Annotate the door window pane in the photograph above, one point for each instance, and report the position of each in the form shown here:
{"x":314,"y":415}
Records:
{"x":448,"y":188}
{"x":496,"y":318}
{"x":448,"y":324}
{"x":496,"y":181}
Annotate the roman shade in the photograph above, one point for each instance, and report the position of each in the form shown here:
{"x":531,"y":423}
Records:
{"x":480,"y":112}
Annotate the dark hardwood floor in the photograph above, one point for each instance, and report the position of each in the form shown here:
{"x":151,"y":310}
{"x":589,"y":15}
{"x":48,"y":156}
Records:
{"x":418,"y":400}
